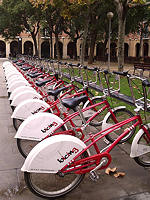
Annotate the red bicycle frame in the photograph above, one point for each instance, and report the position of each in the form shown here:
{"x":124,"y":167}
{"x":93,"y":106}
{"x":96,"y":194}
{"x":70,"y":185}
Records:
{"x":71,"y":116}
{"x":85,"y":165}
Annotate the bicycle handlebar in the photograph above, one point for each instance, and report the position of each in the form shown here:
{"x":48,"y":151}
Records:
{"x":146,"y":83}
{"x":124,"y":73}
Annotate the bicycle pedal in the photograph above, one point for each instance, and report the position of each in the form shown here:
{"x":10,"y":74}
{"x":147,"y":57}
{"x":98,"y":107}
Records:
{"x":94,"y":176}
{"x":78,"y":135}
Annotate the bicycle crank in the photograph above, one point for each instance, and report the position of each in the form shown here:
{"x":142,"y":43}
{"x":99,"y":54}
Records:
{"x":93,"y":175}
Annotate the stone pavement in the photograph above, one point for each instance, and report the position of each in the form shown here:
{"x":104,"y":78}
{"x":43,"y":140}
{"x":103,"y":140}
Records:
{"x":135,"y":185}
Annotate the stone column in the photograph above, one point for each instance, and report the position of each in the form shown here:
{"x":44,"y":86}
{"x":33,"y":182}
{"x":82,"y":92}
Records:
{"x":132,"y":48}
{"x":7,"y":49}
{"x":64,"y":42}
{"x":23,"y":41}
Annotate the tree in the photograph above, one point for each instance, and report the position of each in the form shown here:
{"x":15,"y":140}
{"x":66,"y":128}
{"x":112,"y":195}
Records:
{"x":122,"y":8}
{"x":17,"y":16}
{"x":98,"y":28}
{"x":138,"y":21}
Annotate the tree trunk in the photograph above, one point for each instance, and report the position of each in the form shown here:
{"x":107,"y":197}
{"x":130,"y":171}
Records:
{"x":75,"y":49}
{"x":51,"y":38}
{"x":83,"y":42}
{"x":121,"y":35}
{"x":51,"y":45}
{"x":140,"y":53}
{"x":57,"y":46}
{"x":35,"y":44}
{"x":121,"y":9}
{"x":92,"y":47}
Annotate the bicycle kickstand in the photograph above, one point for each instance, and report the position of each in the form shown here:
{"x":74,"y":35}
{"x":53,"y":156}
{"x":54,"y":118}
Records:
{"x":93,"y":175}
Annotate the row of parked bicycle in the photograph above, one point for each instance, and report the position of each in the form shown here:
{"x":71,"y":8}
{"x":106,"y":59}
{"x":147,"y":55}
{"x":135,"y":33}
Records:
{"x":51,"y":118}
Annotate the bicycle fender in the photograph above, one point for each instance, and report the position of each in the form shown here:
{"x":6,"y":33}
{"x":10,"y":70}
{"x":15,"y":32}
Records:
{"x":22,"y":96}
{"x":138,"y":149}
{"x":29,"y":107}
{"x":7,"y":64}
{"x":52,"y":154}
{"x":86,"y":103}
{"x":20,"y":89}
{"x":11,"y":74}
{"x":14,"y":79}
{"x":38,"y":126}
{"x":106,"y":125}
{"x":17,"y":84}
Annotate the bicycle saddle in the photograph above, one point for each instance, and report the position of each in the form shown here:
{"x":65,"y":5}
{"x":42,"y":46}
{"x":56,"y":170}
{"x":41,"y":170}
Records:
{"x":146,"y":83}
{"x":41,"y":83}
{"x":26,"y":68}
{"x":56,"y":92}
{"x":33,"y":72}
{"x":34,"y":75}
{"x":74,"y":102}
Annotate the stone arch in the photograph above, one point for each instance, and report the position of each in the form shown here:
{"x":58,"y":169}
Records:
{"x":28,"y":48}
{"x":145,"y":49}
{"x":126,"y":50}
{"x":86,"y":51}
{"x":45,"y":49}
{"x":113,"y":53}
{"x":100,"y":51}
{"x":137,"y":49}
{"x":13,"y":48}
{"x":2,"y":49}
{"x":60,"y":44}
{"x":70,"y":49}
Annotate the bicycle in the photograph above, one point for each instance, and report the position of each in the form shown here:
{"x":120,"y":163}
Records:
{"x":43,"y":125}
{"x":29,"y":107}
{"x":57,"y":165}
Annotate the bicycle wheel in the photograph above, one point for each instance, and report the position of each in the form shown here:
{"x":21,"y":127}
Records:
{"x":97,"y":121}
{"x":144,"y":159}
{"x":50,"y":185}
{"x":17,"y":123}
{"x":25,"y":146}
{"x":121,"y":114}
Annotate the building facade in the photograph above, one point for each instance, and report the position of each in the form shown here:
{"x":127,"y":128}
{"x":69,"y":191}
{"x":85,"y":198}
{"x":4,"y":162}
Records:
{"x":23,"y":44}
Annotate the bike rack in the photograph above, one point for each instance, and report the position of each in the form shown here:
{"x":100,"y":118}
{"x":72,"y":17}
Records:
{"x":103,"y":82}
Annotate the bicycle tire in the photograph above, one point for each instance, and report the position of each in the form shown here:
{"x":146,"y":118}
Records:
{"x":17,"y":123}
{"x":40,"y":188}
{"x":143,"y":160}
{"x":25,"y":146}
{"x":121,"y":114}
{"x":97,"y":121}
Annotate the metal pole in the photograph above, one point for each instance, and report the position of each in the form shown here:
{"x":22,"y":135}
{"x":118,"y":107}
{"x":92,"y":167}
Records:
{"x":109,"y":16}
{"x":109,"y":44}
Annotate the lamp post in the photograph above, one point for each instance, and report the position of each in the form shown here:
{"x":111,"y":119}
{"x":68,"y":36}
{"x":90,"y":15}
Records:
{"x":109,"y":16}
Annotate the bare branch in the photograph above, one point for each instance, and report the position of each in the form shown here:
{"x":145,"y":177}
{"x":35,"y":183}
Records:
{"x":116,"y":1}
{"x":131,"y":5}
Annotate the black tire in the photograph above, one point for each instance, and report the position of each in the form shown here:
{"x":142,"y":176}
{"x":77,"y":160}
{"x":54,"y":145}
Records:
{"x":55,"y":85}
{"x":17,"y":123}
{"x":44,"y":184}
{"x":25,"y":146}
{"x":143,"y":160}
{"x":97,"y":121}
{"x":13,"y":108}
{"x":121,"y":114}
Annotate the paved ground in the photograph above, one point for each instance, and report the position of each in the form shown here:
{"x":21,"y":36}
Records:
{"x":135,"y":185}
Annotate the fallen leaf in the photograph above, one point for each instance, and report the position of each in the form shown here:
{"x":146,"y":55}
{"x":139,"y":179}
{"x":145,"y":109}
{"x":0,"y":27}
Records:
{"x":119,"y":174}
{"x":110,"y":170}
